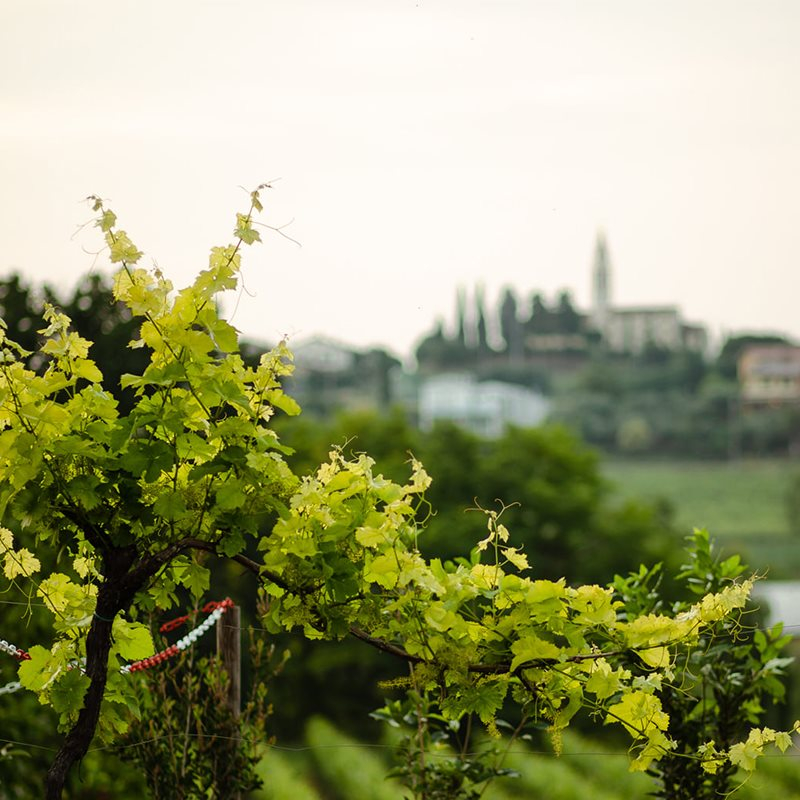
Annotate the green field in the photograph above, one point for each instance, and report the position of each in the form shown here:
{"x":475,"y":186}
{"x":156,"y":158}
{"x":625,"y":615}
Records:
{"x":741,"y":503}
{"x":730,"y":498}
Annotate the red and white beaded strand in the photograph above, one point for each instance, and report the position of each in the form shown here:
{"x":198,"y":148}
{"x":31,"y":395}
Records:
{"x":214,"y":609}
{"x":20,"y":655}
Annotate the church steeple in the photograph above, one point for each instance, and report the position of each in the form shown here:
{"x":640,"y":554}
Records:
{"x":601,"y":284}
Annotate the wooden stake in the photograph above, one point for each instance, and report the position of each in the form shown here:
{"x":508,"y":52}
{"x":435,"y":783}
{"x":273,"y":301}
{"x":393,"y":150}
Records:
{"x":229,"y":650}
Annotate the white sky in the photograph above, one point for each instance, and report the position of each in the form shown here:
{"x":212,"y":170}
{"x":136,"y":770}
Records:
{"x":419,"y":145}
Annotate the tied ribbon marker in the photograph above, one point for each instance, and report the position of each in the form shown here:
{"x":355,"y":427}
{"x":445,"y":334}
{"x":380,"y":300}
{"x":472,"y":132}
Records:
{"x":214,"y":609}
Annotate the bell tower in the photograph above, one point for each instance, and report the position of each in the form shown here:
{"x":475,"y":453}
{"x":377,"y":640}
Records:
{"x":601,"y":284}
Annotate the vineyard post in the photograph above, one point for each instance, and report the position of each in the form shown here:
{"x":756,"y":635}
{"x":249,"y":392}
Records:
{"x":229,"y":652}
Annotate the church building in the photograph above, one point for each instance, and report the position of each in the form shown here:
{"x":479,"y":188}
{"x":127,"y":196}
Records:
{"x":632,"y":329}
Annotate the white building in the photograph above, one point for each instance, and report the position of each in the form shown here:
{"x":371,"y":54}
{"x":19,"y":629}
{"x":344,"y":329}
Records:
{"x":781,"y":601}
{"x":484,"y":407}
{"x":322,"y":354}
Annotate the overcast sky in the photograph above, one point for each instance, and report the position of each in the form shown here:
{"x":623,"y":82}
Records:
{"x":419,"y":146}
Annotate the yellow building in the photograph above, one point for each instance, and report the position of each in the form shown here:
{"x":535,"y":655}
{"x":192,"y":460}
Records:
{"x":769,"y":374}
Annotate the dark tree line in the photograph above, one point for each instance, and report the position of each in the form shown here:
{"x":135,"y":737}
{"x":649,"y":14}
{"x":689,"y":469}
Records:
{"x":95,"y":315}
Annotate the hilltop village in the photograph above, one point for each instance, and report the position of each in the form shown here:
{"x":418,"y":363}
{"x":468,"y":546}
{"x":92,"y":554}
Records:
{"x":637,"y":379}
{"x":557,"y":336}
{"x":521,"y":344}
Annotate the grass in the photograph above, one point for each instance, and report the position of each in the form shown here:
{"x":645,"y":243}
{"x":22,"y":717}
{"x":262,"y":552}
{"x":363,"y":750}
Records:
{"x":554,"y":778}
{"x":336,"y":767}
{"x":606,"y":766}
{"x":732,"y":499}
{"x":283,"y":778}
{"x":350,"y":770}
{"x":741,"y":503}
